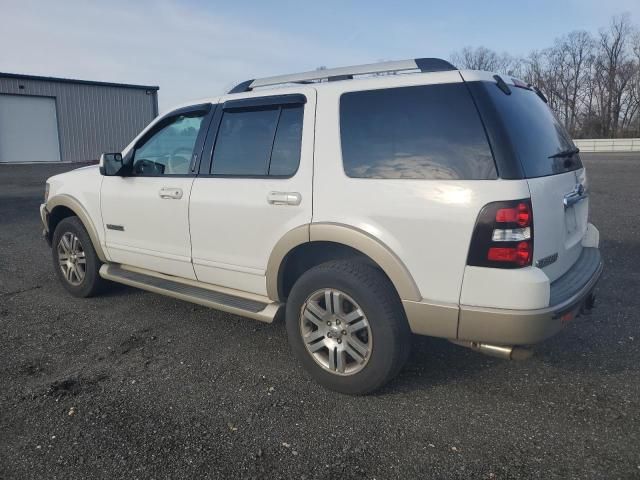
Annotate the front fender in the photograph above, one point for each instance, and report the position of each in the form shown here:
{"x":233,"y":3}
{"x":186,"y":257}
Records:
{"x":70,"y":202}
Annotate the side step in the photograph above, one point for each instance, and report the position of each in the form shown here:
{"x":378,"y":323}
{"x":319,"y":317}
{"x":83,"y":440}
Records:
{"x":251,"y":306}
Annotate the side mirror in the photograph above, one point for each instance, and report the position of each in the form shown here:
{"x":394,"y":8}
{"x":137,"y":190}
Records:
{"x":110,"y":164}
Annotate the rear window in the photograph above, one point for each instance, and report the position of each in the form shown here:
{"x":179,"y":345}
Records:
{"x":535,"y":134}
{"x":423,"y":132}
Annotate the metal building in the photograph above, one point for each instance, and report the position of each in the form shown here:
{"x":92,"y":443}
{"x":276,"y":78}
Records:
{"x":45,"y":119}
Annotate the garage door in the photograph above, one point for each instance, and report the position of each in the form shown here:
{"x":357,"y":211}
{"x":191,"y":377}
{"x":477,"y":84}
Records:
{"x":28,"y":129}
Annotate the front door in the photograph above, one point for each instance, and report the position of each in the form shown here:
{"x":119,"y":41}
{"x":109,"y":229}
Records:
{"x":254,"y":186}
{"x":146,"y":212}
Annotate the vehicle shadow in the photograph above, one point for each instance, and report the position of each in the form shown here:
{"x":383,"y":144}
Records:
{"x":607,"y":338}
{"x":114,"y":289}
{"x":436,"y":361}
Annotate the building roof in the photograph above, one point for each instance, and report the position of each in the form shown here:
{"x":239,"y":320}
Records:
{"x":77,"y":82}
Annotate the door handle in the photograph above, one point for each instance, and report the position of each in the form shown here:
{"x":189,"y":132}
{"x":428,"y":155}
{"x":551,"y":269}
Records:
{"x":577,"y":194}
{"x":284,"y":198}
{"x":170,"y":193}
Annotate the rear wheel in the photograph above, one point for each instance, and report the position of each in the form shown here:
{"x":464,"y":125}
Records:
{"x":74,"y":258}
{"x":347,"y":326}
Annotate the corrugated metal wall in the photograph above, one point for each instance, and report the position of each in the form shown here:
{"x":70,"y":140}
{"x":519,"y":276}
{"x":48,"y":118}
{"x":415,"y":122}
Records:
{"x":92,"y":119}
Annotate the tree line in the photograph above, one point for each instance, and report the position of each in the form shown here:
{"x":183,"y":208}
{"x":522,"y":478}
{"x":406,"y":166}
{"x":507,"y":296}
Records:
{"x":592,"y":81}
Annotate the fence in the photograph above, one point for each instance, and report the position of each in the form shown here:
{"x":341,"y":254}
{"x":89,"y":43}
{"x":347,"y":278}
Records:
{"x":609,"y":145}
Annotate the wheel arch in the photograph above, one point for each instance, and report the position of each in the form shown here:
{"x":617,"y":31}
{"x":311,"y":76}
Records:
{"x":63,"y":206}
{"x":342,"y":238}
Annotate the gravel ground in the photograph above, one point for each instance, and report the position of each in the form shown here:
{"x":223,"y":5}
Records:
{"x":136,"y":385}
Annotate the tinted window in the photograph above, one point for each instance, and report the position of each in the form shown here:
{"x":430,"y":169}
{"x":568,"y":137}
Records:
{"x":264,"y":141}
{"x":285,"y":156}
{"x":168,"y":150}
{"x":244,"y":142}
{"x":534,"y":132}
{"x":425,"y":132}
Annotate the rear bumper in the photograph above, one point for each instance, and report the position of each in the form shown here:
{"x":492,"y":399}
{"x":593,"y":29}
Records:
{"x":569,"y":294}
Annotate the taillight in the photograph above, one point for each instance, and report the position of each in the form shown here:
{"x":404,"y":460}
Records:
{"x":503,"y":235}
{"x":520,"y":254}
{"x":520,"y":214}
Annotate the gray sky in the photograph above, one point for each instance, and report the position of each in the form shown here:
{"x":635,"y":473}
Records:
{"x":196,"y":49}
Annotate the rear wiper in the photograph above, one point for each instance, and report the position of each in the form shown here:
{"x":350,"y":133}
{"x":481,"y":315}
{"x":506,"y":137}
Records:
{"x":566,"y":153}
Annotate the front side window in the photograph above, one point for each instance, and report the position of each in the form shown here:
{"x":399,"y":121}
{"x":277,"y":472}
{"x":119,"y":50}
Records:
{"x":423,"y":132}
{"x":259,"y":142}
{"x":168,"y":150}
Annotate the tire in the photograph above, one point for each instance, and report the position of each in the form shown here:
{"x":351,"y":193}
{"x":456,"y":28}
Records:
{"x":86,"y":281}
{"x":357,"y":291}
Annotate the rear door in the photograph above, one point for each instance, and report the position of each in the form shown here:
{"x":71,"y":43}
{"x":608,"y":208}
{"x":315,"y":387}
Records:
{"x":255,"y":185}
{"x":548,"y":160}
{"x":559,"y":223}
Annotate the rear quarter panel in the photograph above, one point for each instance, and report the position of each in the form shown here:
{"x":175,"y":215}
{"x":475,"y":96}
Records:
{"x":426,"y":223}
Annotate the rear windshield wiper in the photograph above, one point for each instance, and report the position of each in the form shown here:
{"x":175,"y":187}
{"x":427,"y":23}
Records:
{"x":566,"y":153}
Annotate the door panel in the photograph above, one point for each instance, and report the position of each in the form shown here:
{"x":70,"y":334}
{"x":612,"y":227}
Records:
{"x":234,"y":227}
{"x":236,"y":221}
{"x":144,"y":229}
{"x":146,"y":211}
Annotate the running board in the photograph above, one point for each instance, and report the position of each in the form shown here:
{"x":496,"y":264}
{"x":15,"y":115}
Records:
{"x":246,"y":305}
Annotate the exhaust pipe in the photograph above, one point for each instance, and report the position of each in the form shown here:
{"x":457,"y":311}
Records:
{"x":498,"y":351}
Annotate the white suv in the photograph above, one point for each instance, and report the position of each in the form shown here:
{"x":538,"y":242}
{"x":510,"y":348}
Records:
{"x":365,"y":203}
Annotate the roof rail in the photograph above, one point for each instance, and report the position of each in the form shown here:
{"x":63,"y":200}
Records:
{"x":344,"y":73}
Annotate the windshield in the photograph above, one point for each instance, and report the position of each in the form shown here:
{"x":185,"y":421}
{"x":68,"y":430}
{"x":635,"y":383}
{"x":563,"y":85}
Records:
{"x":536,"y":137}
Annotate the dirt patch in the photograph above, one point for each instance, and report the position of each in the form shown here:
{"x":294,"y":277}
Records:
{"x":74,"y":385}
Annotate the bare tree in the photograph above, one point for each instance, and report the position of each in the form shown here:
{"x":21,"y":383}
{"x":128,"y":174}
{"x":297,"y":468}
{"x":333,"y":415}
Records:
{"x":481,"y":58}
{"x":613,"y":72}
{"x":575,"y":55}
{"x":635,"y":87}
{"x":593,"y":84}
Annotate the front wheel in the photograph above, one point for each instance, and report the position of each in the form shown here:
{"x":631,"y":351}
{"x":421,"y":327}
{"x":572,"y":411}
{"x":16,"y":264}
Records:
{"x":347,"y":326}
{"x":74,"y":259}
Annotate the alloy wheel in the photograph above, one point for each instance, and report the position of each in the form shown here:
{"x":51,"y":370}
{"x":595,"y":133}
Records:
{"x":72,"y":258}
{"x":336,"y":332}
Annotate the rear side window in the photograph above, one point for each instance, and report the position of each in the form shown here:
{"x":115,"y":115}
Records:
{"x":534,"y":133}
{"x":285,"y":155}
{"x":259,"y":142}
{"x":423,"y":132}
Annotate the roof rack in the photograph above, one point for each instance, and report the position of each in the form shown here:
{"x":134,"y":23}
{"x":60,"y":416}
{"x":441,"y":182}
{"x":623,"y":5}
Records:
{"x":346,"y":73}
